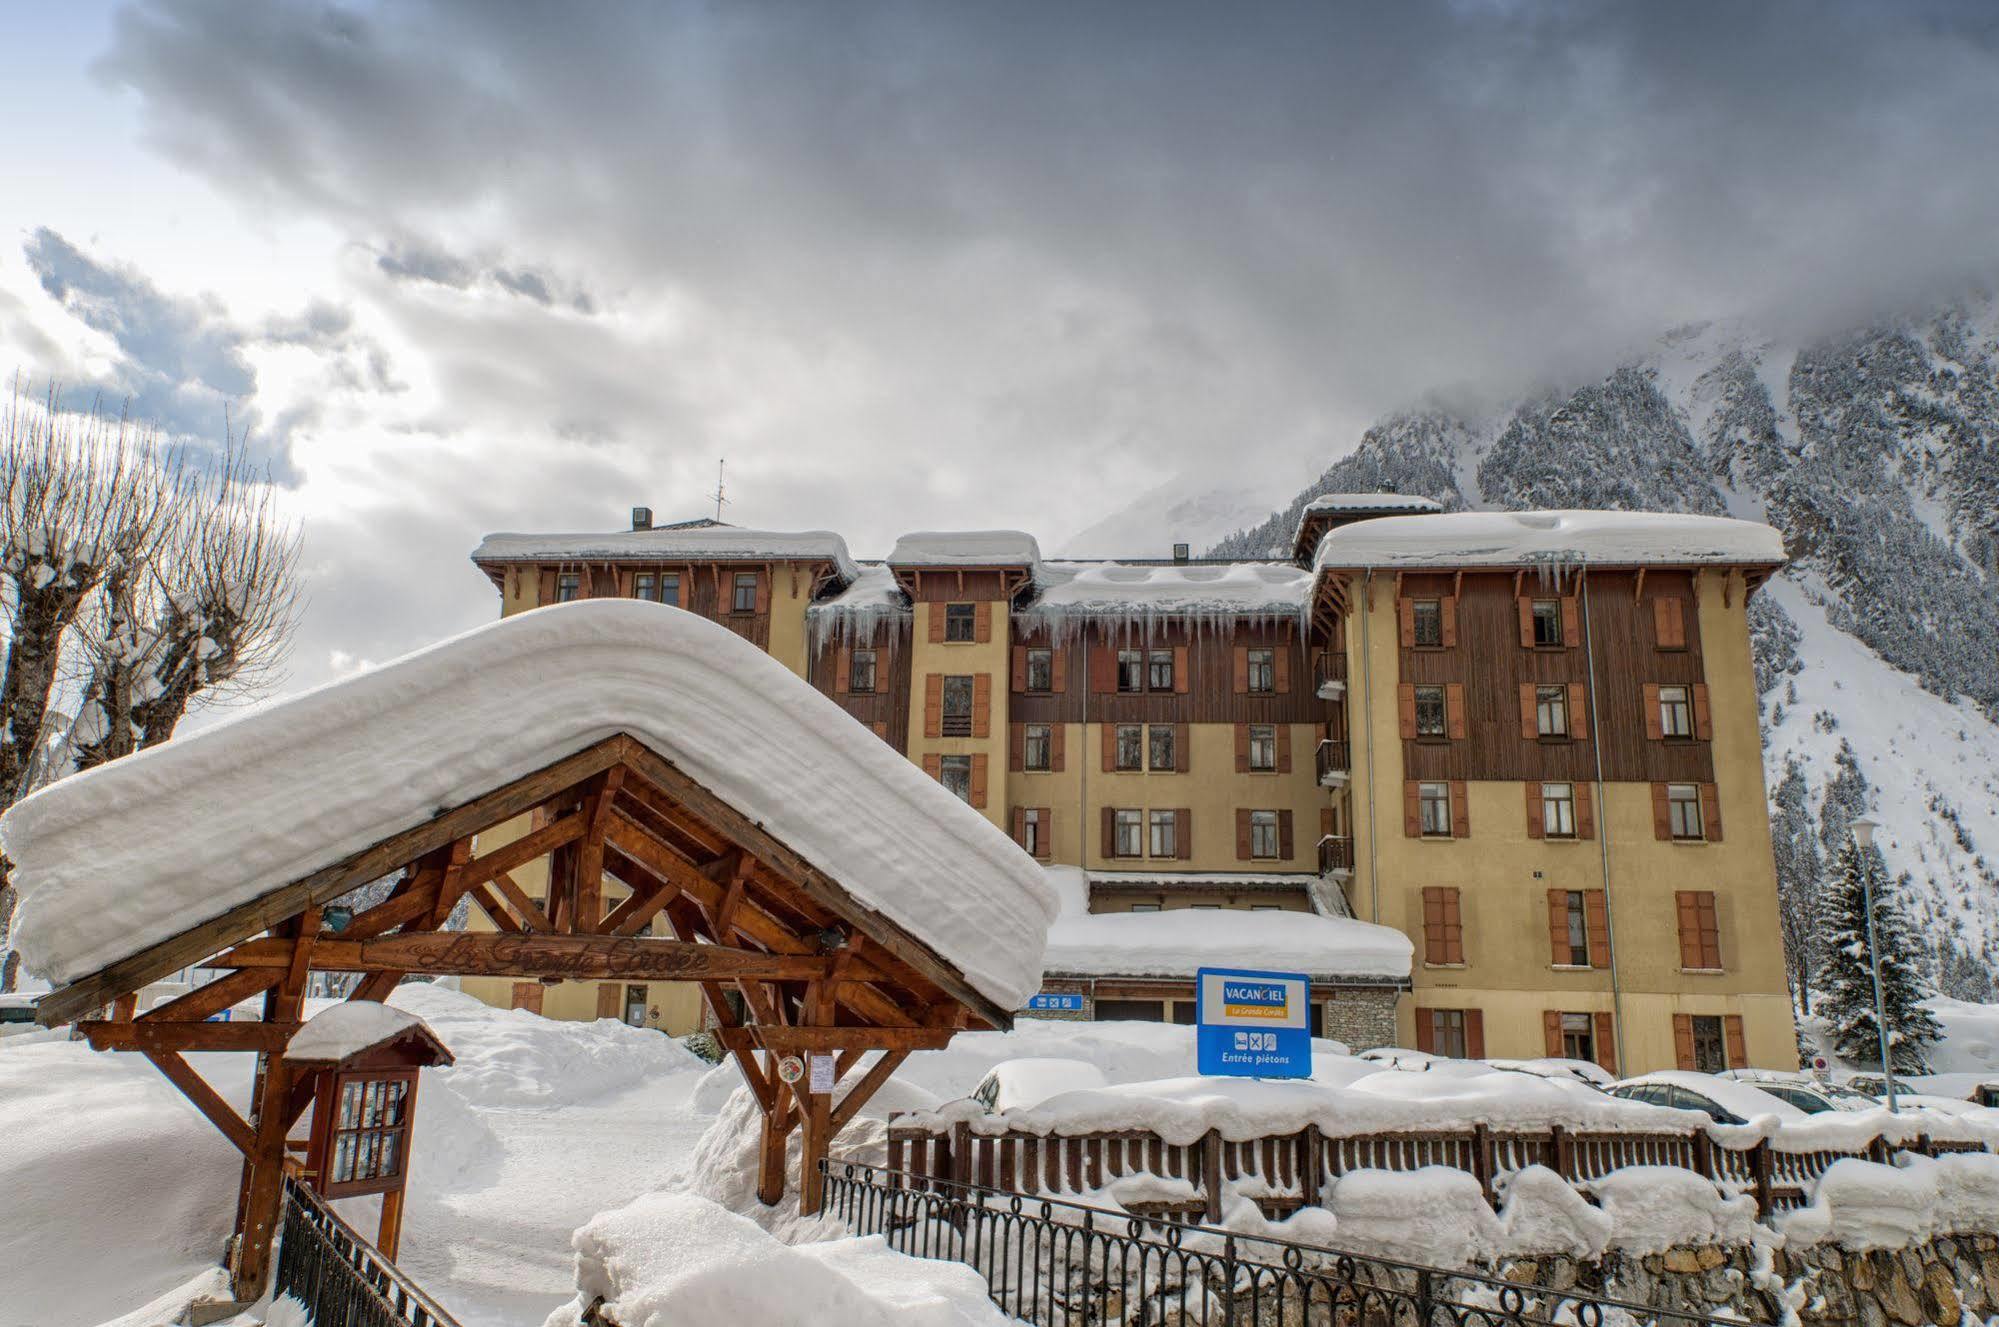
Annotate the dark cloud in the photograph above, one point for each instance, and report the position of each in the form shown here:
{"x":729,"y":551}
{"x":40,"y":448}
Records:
{"x":409,"y":261}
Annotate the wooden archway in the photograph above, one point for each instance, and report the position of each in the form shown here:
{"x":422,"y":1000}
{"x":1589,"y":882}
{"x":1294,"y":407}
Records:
{"x":817,"y":971}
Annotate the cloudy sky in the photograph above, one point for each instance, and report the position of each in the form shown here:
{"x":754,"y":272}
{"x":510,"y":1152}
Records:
{"x":472,"y":266}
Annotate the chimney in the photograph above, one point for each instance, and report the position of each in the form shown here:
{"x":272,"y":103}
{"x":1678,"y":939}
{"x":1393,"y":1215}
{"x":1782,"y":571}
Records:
{"x":642,"y":518}
{"x":1181,"y":553}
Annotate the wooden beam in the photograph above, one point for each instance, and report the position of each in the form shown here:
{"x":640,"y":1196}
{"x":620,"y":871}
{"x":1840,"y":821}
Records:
{"x":323,"y":886}
{"x":377,"y":985}
{"x":508,"y":856}
{"x":205,"y":1098}
{"x":532,"y":917}
{"x":590,"y":853}
{"x":569,"y":957}
{"x":496,"y":911}
{"x":630,"y":917}
{"x":824,"y":1040}
{"x":452,"y":886}
{"x":217,"y":995}
{"x":857,"y":1095}
{"x":149,"y":1036}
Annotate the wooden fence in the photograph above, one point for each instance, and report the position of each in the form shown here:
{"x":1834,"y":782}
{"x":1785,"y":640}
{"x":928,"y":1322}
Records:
{"x":1295,"y":1170}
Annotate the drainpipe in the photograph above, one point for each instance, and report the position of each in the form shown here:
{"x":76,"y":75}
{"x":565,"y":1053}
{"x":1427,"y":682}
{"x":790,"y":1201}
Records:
{"x":1367,"y":730}
{"x":1603,"y":830}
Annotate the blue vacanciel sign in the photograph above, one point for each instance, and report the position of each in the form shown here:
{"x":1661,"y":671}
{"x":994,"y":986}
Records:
{"x":1049,"y":1001}
{"x":1253,"y":1024}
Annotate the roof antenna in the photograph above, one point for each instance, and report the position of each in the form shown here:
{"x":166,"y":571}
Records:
{"x":720,"y":472}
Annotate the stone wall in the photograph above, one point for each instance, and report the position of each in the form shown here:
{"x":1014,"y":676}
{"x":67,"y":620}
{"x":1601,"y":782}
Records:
{"x":1362,"y":1018}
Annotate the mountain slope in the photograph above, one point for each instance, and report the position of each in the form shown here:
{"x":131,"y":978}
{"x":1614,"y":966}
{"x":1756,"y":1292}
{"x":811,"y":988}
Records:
{"x":1877,"y":453}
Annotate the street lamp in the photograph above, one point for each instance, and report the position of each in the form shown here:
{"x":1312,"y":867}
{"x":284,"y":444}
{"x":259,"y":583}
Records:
{"x":1862,"y":828}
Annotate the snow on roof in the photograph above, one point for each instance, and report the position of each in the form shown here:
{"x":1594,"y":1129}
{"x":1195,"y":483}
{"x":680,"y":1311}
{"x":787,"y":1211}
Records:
{"x":711,"y":543}
{"x":130,"y":853}
{"x":348,"y":1028}
{"x":1744,"y":1099}
{"x":1398,"y":502}
{"x":1517,"y":538}
{"x":1179,"y":942}
{"x":873,"y":596}
{"x":965,"y":548}
{"x":1235,"y":589}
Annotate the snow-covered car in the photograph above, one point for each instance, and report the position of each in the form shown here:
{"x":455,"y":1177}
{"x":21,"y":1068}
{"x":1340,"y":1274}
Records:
{"x":1723,"y":1100}
{"x":1810,"y":1095}
{"x":1579,"y":1071}
{"x":1017,"y":1084}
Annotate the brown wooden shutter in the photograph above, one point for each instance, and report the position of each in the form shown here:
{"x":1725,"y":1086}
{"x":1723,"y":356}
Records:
{"x":1558,"y":927}
{"x":1738,"y":1045}
{"x":1110,"y":832}
{"x":1286,"y":845}
{"x":1057,"y":741}
{"x":982,"y":623}
{"x":1526,"y":607}
{"x":1578,"y":710}
{"x":1530,"y":717}
{"x":1020,"y":825}
{"x":1405,"y":709}
{"x":1703,"y":719}
{"x":979,"y":780}
{"x":1460,"y":810}
{"x":1242,"y":748}
{"x":1108,"y":746}
{"x":1688,"y":914}
{"x":1606,"y":1043}
{"x":843,"y":669}
{"x":1585,"y":812}
{"x":1284,"y":750}
{"x":1711,"y":812}
{"x":1405,"y":613}
{"x":1325,"y":822}
{"x":1572,"y":634}
{"x":1183,"y":747}
{"x":1449,"y":613}
{"x":936,"y":615}
{"x":1443,"y":931}
{"x":1047,"y":833}
{"x":1016,"y":747}
{"x":1475,"y":1034}
{"x":982,"y":705}
{"x":763,"y":592}
{"x":1412,"y":809}
{"x":1710,"y":930}
{"x":1019,"y":680}
{"x":1683,"y":1040}
{"x":933,"y":704}
{"x":1242,"y":835}
{"x":1596,"y":923}
{"x":1668,"y":624}
{"x":1183,"y":833}
{"x":1103,"y":669}
{"x":527,"y":995}
{"x":1280,"y":662}
{"x":1649,"y":697}
{"x":1551,"y":1030}
{"x":1181,"y":678}
{"x":933,"y":765}
{"x":881,"y":729}
{"x":1535,"y":826}
{"x":1242,"y":670}
{"x":1662,"y":814}
{"x":1454,"y":710}
{"x":1426,"y":1031}
{"x":1058,"y":670}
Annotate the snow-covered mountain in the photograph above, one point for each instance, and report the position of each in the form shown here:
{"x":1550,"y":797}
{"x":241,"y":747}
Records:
{"x":1877,"y":453}
{"x":1184,"y":510}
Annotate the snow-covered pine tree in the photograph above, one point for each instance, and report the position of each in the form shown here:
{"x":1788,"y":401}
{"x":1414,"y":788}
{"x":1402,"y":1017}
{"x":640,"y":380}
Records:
{"x":1847,"y":980}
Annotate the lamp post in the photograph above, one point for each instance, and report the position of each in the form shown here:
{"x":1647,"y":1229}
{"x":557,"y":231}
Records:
{"x":1862,"y":828}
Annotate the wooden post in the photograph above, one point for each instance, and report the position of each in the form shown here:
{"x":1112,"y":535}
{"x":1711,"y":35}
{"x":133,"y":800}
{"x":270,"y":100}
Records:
{"x":770,"y":1157}
{"x":1481,"y":1160}
{"x":1310,"y":1188}
{"x":961,"y":1152}
{"x":1564,"y":1148}
{"x":1211,"y":1175}
{"x":263,"y":1189}
{"x":389,"y":1235}
{"x":1759,"y":1166}
{"x":811,"y":1184}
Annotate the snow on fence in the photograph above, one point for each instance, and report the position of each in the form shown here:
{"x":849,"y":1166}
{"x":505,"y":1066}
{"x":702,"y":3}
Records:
{"x":1289,"y":1171}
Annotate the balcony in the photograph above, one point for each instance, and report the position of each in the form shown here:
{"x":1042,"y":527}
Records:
{"x":1329,"y":674}
{"x":1334,"y":763}
{"x":1335,"y":856}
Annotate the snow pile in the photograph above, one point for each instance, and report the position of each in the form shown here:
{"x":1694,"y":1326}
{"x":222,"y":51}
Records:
{"x":348,"y":1028}
{"x":1970,"y":1045}
{"x":709,"y":543}
{"x":1542,"y":1213}
{"x":1177,"y":943}
{"x":874,"y":597}
{"x":1861,"y":1205}
{"x":130,"y":853}
{"x":1372,"y":502}
{"x":965,"y":548}
{"x":1566,"y":538}
{"x":668,"y":1259}
{"x":1652,"y":1208}
{"x":1237,"y":589}
{"x":1434,"y":1215}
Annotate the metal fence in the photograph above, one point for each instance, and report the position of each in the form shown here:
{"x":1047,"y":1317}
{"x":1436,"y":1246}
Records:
{"x":1063,"y":1264}
{"x":342,"y":1279}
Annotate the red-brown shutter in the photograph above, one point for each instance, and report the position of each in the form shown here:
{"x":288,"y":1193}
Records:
{"x":763,"y":592}
{"x":1530,"y":715}
{"x":1047,"y":833}
{"x":1443,"y":933}
{"x":1412,"y":809}
{"x":1738,"y":1045}
{"x":982,"y":705}
{"x":1703,"y":719}
{"x":881,"y":729}
{"x":1325,"y":822}
{"x":1683,"y":1040}
{"x":1585,"y":812}
{"x":1475,"y":1034}
{"x":1460,"y":810}
{"x":1103,"y":669}
{"x":1284,"y":750}
{"x":1578,"y":710}
{"x":1687,"y":912}
{"x":1241,"y":670}
{"x":1535,"y":809}
{"x":982,"y":623}
{"x":1710,"y":930}
{"x":1454,"y":710}
{"x":933,"y":765}
{"x":1662,"y":814}
{"x":1448,"y":611}
{"x":1711,"y":812}
{"x":1020,"y":825}
{"x":1280,"y":658}
{"x":1526,"y":607}
{"x":1183,"y":747}
{"x":1108,"y":746}
{"x":1649,"y":697}
{"x":1180,"y":674}
{"x":1596,"y":922}
{"x":1668,"y":624}
{"x":1057,"y":740}
{"x":1058,"y":671}
{"x":1572,"y":634}
{"x":1019,"y":680}
{"x":1405,"y":614}
{"x":1242,"y":748}
{"x":1558,"y":927}
{"x":1426,"y":1031}
{"x":527,"y":995}
{"x":843,"y":669}
{"x":1110,"y":832}
{"x":1551,"y":1029}
{"x":933,"y":704}
{"x":1286,"y":846}
{"x":979,"y":780}
{"x":1183,"y":833}
{"x":936,"y":614}
{"x":1242,"y":835}
{"x":1016,"y":747}
{"x":1405,"y":710}
{"x":1606,"y":1043}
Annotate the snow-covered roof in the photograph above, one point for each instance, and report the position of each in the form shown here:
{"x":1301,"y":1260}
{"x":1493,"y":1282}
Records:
{"x":1292,"y":880}
{"x":1179,"y":942}
{"x":1372,"y":502}
{"x":965,"y":548}
{"x":133,"y":852}
{"x":1570,"y":538}
{"x":1121,"y":589}
{"x":710,"y":543}
{"x":350,"y":1027}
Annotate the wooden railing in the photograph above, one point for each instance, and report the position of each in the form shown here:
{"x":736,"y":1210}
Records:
{"x":1334,"y":762}
{"x":1328,"y":666}
{"x":1295,"y":1170}
{"x":1335,"y":854}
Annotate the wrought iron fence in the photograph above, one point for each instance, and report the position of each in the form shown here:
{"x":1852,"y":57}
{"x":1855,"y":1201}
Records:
{"x":1063,"y":1264}
{"x":342,"y":1279}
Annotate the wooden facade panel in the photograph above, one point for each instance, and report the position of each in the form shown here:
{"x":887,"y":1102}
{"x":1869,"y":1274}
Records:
{"x":886,"y":709}
{"x":1204,"y":692}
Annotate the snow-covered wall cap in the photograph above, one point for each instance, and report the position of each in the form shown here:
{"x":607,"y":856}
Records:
{"x":713,"y":543}
{"x":121,"y":857}
{"x":350,"y":1027}
{"x":1126,"y":589}
{"x":1566,"y":538}
{"x":966,"y":548}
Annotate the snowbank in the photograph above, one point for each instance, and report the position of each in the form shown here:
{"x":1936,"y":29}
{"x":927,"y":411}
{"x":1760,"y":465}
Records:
{"x":710,"y":543}
{"x":1569,"y":538}
{"x":1652,"y":1208}
{"x":348,"y":1028}
{"x":128,"y":854}
{"x":1862,"y":1205}
{"x":1434,"y":1215}
{"x":668,"y":1259}
{"x":966,"y":548}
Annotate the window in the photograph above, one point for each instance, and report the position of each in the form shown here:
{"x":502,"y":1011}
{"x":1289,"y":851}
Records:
{"x":568,"y":586}
{"x":369,"y":1125}
{"x":1159,"y":669}
{"x":669,"y":590}
{"x":1447,"y":1032}
{"x":1676,"y":712}
{"x":1263,"y":747}
{"x":1547,"y":622}
{"x":1131,"y":670}
{"x":1163,"y":840}
{"x":861,"y":671}
{"x":745,"y":600}
{"x":1427,"y":617}
{"x":1578,"y":933}
{"x":955,"y":773}
{"x":1127,"y":830}
{"x":643,"y":586}
{"x":1145,"y":907}
{"x":1700,"y":930}
{"x":957,"y":706}
{"x":1263,"y":671}
{"x":1266,"y":907}
{"x":1034,"y":748}
{"x":1041,"y":670}
{"x":1683,"y":811}
{"x":1710,"y":1049}
{"x":1131,"y":1011}
{"x":1432,"y":717}
{"x":1578,"y":1037}
{"x":1443,"y":927}
{"x":960,"y":622}
{"x":1551,"y":711}
{"x":1263,"y":834}
{"x":1435,"y":802}
{"x":635,"y":1006}
{"x":1130,"y":747}
{"x":1033,"y":833}
{"x":1159,"y":740}
{"x":1558,"y":810}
